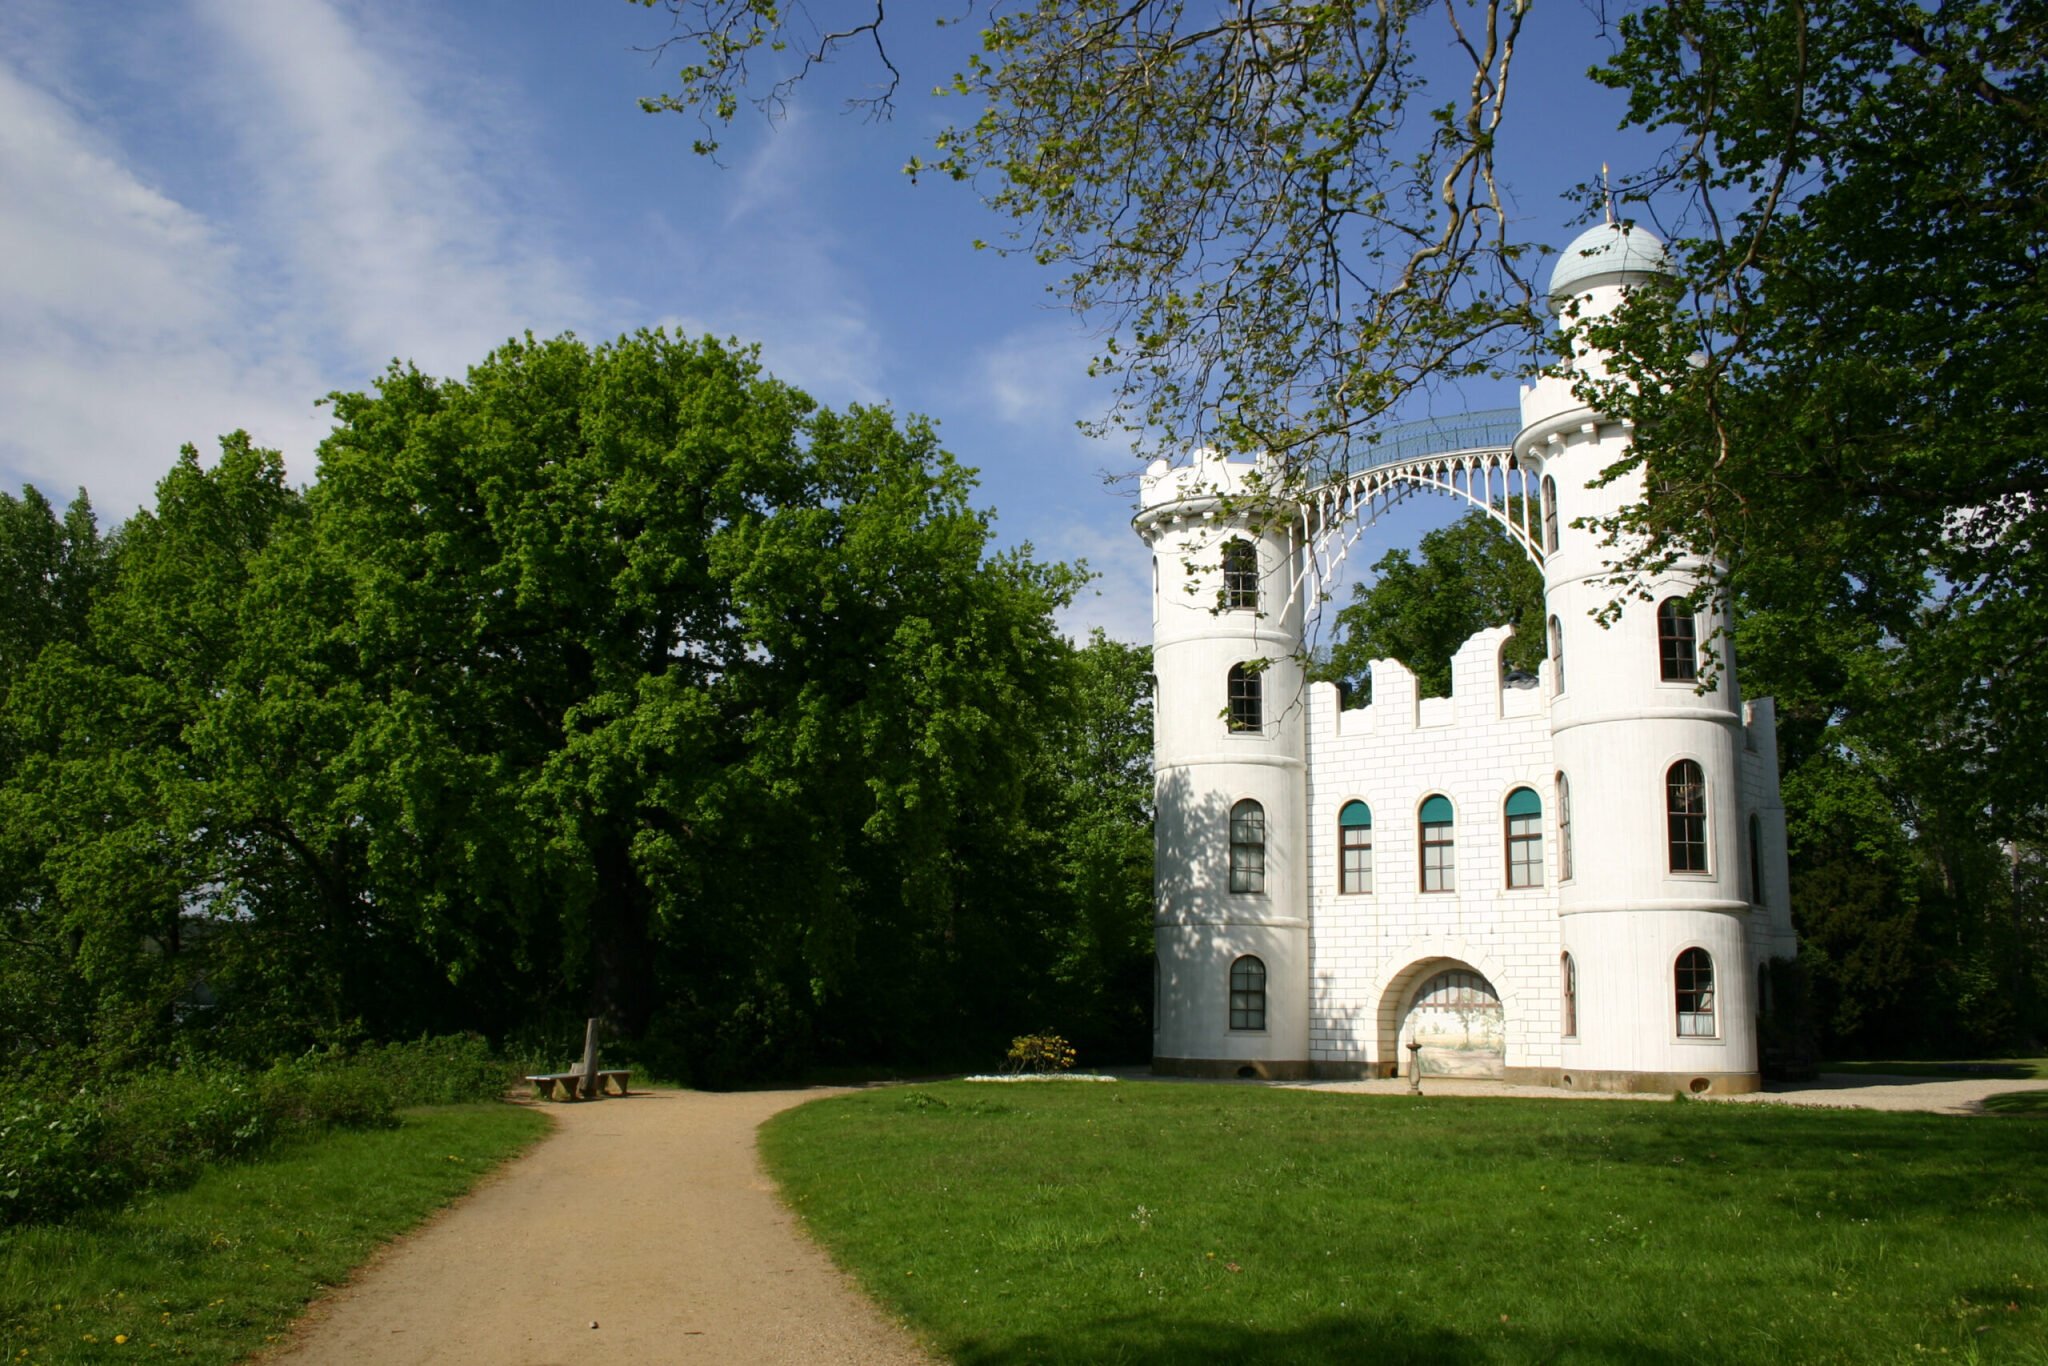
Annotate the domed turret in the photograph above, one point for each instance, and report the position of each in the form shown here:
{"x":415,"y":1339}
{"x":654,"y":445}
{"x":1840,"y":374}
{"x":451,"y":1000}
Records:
{"x":1608,"y":254}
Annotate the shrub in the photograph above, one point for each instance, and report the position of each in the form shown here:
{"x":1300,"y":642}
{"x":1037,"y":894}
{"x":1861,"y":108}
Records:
{"x":1046,"y":1052}
{"x":47,"y":1159}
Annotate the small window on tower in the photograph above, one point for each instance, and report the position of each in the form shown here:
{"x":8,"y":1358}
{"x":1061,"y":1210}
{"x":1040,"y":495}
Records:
{"x":1685,"y":816}
{"x":1556,"y":656}
{"x":1678,"y":646}
{"x":1248,"y":994}
{"x":1240,"y":576}
{"x":1695,"y":982}
{"x":1247,"y":847}
{"x":1549,"y":513}
{"x":1245,"y":698}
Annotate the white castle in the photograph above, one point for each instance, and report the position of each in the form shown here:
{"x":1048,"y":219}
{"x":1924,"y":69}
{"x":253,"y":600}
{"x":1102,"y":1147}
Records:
{"x":1573,"y":880}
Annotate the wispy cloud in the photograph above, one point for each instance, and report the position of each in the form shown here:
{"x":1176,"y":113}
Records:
{"x":120,"y":337}
{"x":325,"y":203}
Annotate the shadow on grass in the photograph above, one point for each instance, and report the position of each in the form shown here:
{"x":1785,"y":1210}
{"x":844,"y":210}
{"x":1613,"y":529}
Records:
{"x":1165,"y":1337}
{"x":2029,"y":1104}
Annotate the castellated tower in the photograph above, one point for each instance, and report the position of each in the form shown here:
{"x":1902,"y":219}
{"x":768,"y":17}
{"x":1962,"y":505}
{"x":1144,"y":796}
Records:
{"x":1655,"y":897}
{"x":1230,"y":917}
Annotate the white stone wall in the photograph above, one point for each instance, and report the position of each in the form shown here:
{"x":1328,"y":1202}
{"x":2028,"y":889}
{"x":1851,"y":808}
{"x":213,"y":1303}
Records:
{"x":1368,"y":952}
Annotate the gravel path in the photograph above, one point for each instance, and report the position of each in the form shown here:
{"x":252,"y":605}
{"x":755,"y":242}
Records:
{"x":1842,"y":1090}
{"x":643,"y":1229}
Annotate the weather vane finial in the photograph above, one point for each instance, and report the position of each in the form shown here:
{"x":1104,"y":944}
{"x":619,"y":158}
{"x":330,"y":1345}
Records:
{"x":1607,"y":194}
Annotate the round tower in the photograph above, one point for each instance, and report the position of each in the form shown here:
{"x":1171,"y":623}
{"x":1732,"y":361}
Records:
{"x":1231,"y":858}
{"x":1653,"y":908}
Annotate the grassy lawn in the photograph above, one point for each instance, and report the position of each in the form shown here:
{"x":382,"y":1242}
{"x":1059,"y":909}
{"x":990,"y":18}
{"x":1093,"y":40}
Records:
{"x":2021,"y":1069}
{"x":1153,"y":1223}
{"x":215,"y":1271}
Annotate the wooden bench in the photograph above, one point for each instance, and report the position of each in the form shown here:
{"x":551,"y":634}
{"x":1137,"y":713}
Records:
{"x":569,"y":1085}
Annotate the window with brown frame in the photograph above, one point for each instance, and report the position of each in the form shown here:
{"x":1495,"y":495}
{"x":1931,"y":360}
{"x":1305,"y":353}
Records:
{"x":1685,"y":817}
{"x":1248,"y":994}
{"x":1240,"y":576}
{"x":1695,"y":981}
{"x":1678,"y":645}
{"x":1248,"y":847}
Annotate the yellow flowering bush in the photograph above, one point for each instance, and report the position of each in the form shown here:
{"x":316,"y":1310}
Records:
{"x":1046,"y":1052}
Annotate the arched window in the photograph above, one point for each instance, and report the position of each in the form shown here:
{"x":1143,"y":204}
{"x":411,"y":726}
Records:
{"x":1245,"y":693}
{"x":1556,"y":656}
{"x":1247,"y":994}
{"x":1524,"y":813}
{"x":1685,"y":816}
{"x":1756,"y":861}
{"x":1695,"y":981}
{"x":1568,"y":973}
{"x":1247,"y":847}
{"x":1240,"y":576}
{"x":1439,"y":846}
{"x":1564,"y":829}
{"x":1354,"y":849}
{"x":1549,"y":513}
{"x":1678,"y":646}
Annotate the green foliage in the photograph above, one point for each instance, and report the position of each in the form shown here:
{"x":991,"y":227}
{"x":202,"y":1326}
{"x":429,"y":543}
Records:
{"x":72,"y":1140}
{"x":1046,"y":1052}
{"x":216,"y":1271}
{"x":1841,"y":401}
{"x":1471,"y":576}
{"x":618,"y":680}
{"x":1185,"y":1223}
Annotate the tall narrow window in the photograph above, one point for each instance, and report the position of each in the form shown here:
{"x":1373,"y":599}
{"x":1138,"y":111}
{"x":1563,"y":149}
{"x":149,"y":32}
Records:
{"x":1549,"y":513}
{"x":1525,"y":838}
{"x":1354,"y":849}
{"x":1695,"y":974}
{"x":1240,"y":576}
{"x":1568,"y":972}
{"x":1245,"y":698}
{"x":1439,"y":846}
{"x":1685,"y":817}
{"x":1756,"y":861}
{"x":1678,"y":645}
{"x":1564,"y":828}
{"x":1247,"y":847}
{"x":1556,"y":656}
{"x":1247,"y":994}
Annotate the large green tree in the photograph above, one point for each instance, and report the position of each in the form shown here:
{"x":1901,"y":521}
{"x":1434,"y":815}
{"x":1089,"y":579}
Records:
{"x":1472,"y":575}
{"x":620,"y":679}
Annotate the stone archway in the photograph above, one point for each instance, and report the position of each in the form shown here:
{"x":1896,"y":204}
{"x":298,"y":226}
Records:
{"x":1455,"y":1013}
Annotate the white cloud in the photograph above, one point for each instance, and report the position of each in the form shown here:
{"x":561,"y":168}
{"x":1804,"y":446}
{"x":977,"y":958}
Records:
{"x":119,"y":339}
{"x":390,"y":202}
{"x":1039,"y":375}
{"x":226,"y":210}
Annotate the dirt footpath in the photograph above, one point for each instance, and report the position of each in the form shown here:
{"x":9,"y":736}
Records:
{"x":647,"y":1214}
{"x":1866,"y":1091}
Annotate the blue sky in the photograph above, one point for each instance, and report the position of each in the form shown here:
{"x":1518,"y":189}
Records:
{"x":212,"y":212}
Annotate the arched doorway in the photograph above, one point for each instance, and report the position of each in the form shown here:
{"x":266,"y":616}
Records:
{"x":1456,"y":1016}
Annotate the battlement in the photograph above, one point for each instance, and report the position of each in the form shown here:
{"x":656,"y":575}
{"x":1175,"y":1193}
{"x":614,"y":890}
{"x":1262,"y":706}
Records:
{"x":1479,"y":694}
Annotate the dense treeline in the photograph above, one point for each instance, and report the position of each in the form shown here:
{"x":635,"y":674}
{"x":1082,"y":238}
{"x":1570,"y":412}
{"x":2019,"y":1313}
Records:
{"x":623,"y":680}
{"x":1923,"y":924}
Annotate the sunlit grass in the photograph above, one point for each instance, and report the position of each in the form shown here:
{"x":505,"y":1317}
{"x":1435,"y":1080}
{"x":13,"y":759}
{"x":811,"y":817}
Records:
{"x":1153,"y":1223}
{"x":217,"y":1270}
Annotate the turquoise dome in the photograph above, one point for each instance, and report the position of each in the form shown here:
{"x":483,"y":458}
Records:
{"x":1608,"y":254}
